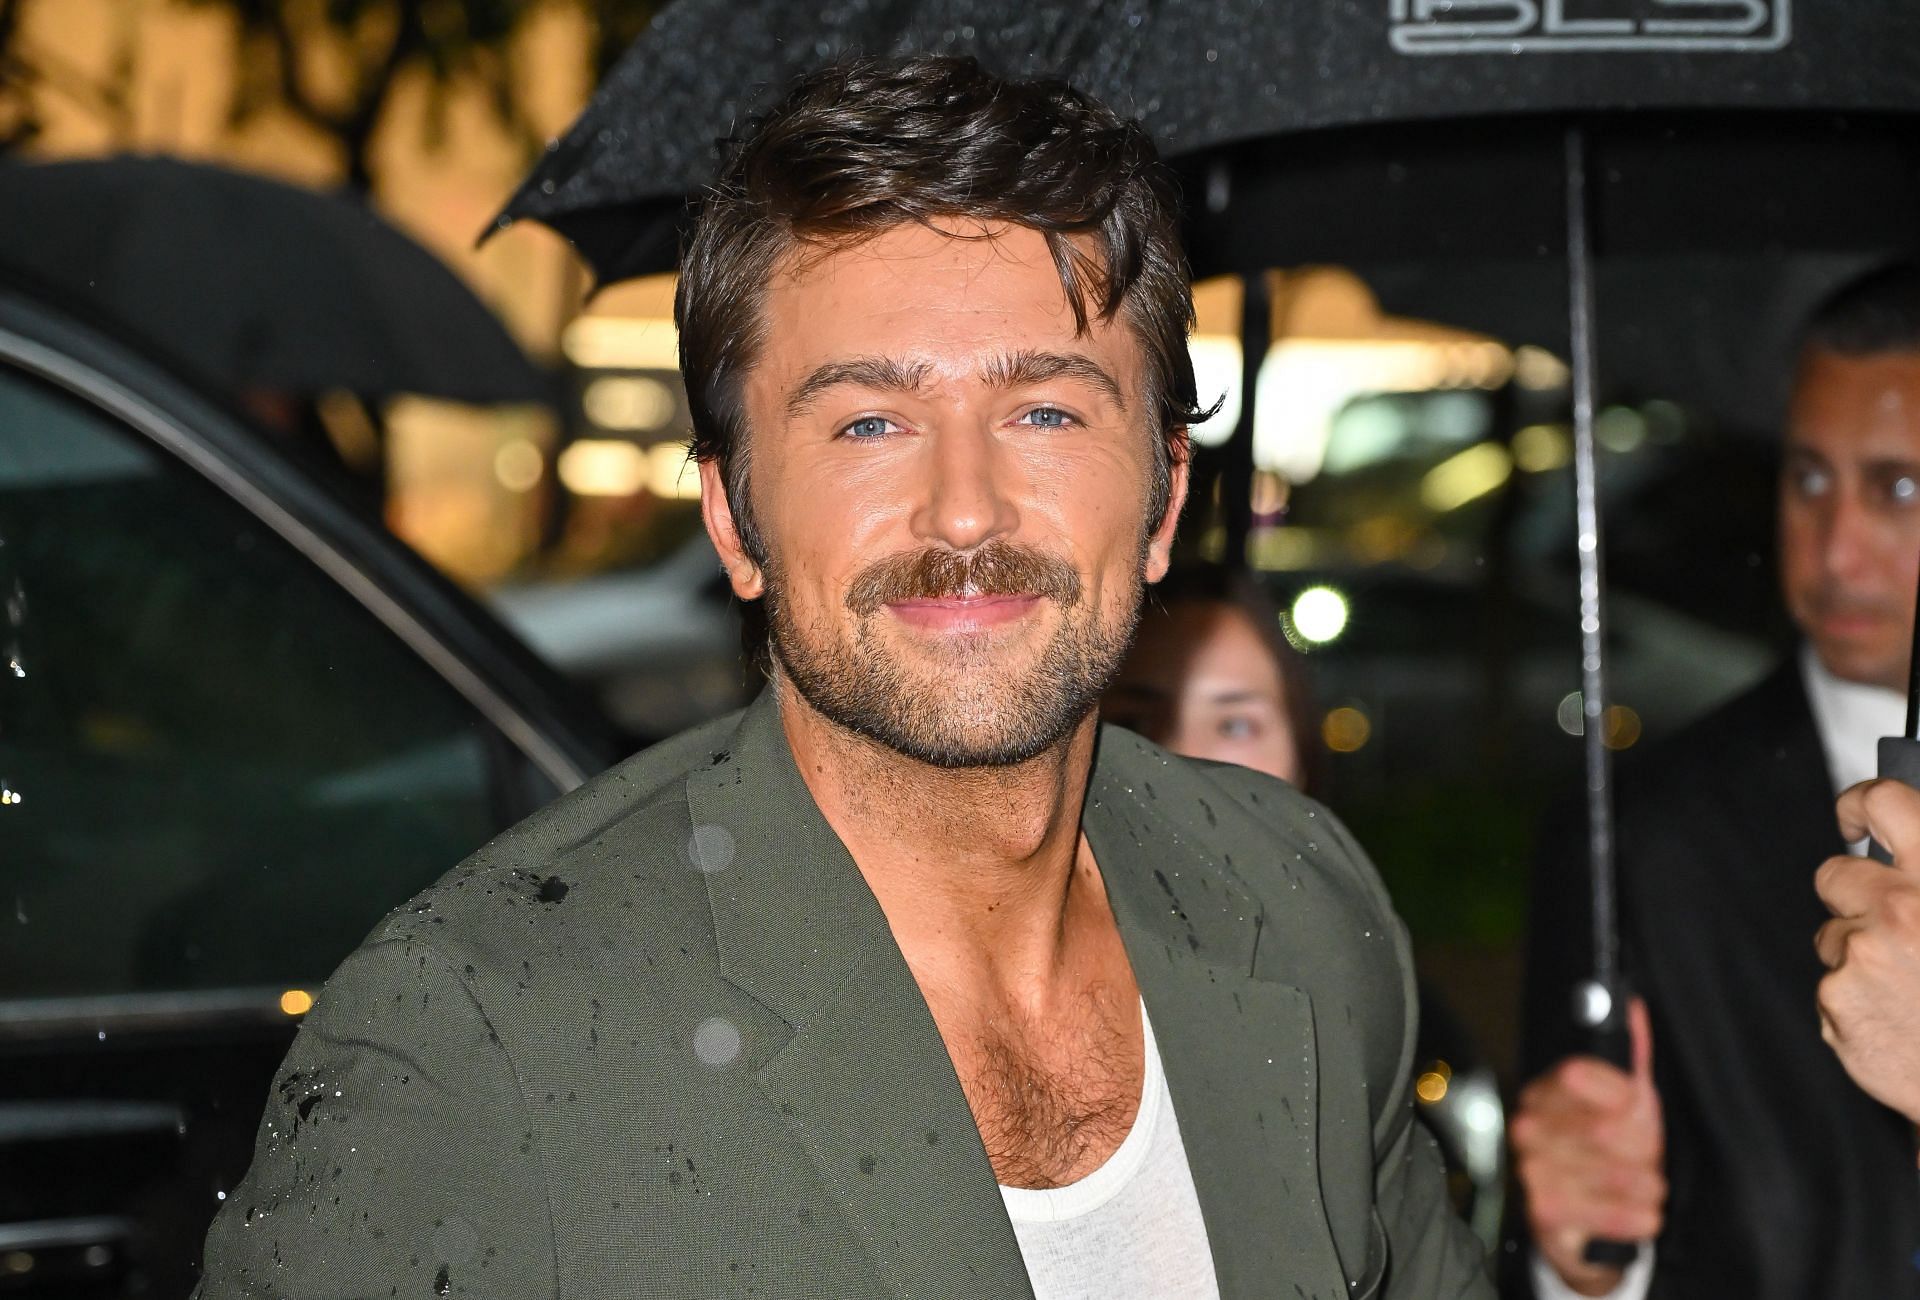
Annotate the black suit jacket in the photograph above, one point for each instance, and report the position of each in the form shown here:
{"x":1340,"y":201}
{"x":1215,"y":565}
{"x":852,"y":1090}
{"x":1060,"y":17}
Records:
{"x":1786,"y":1181}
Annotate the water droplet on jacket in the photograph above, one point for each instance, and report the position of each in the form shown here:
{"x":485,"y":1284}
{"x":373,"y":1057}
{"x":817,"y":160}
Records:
{"x":716,"y":1041}
{"x":710,"y":848}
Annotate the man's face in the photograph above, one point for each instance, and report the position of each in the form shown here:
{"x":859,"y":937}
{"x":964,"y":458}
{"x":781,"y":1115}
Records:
{"x":952,"y":488}
{"x":1850,"y":511}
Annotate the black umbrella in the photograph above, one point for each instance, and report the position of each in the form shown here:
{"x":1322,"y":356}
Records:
{"x":256,"y":285}
{"x":1203,"y":75}
{"x":1540,"y":169}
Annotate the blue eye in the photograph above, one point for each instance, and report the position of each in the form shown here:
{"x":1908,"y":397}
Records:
{"x":1048,"y":417}
{"x":869,"y":426}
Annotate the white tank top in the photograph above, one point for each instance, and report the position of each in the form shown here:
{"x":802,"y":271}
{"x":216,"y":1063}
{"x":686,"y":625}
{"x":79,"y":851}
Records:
{"x":1130,"y":1228}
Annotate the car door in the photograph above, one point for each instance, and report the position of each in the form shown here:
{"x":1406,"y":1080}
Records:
{"x":237,"y":726}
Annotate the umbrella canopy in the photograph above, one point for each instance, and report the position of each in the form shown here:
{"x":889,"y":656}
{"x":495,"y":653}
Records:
{"x":256,"y":285}
{"x":1206,"y":75}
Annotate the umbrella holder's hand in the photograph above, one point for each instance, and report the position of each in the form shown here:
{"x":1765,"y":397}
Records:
{"x":1603,"y":1012}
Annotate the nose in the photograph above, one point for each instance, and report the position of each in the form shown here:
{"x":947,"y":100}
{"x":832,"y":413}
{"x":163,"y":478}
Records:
{"x":966,"y":498}
{"x":1847,"y":542}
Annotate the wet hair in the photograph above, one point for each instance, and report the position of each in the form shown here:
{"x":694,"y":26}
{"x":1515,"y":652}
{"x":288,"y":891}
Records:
{"x":868,"y":145}
{"x":1877,"y":312}
{"x":1216,"y":584}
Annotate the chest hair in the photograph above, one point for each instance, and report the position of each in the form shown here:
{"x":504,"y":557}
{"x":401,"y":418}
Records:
{"x":1052,"y":1102}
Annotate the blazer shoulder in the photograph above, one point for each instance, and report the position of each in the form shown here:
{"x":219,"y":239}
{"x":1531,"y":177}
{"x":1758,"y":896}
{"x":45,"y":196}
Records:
{"x":1268,"y":834}
{"x":629,"y":824}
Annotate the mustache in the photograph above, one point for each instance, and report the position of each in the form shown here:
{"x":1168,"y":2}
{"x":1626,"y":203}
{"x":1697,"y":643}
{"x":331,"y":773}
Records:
{"x":1828,"y":601}
{"x":997,"y":568}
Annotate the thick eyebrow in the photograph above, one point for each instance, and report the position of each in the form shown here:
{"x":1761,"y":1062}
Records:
{"x":886,"y":374}
{"x":1014,"y":369}
{"x":1009,"y":370}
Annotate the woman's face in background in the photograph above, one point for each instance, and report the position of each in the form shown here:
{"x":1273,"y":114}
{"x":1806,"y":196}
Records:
{"x":1201,"y":681}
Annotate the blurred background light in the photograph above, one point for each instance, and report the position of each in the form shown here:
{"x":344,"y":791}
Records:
{"x":670,"y":474}
{"x":519,"y":465}
{"x":1345,"y":729}
{"x":1620,"y":428}
{"x":1538,"y":448}
{"x":1623,"y":727}
{"x":1465,"y":476}
{"x":628,"y":402}
{"x":1217,"y":374}
{"x":622,"y":343}
{"x":1319,"y":614}
{"x":601,"y":467}
{"x":1538,"y":369}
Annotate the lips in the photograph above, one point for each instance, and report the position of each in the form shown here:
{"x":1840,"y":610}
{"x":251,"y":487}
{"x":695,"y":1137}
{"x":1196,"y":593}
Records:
{"x":962,"y":613}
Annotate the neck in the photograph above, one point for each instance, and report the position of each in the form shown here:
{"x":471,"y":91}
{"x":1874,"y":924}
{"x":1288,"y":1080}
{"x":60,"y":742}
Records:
{"x":974,"y":867}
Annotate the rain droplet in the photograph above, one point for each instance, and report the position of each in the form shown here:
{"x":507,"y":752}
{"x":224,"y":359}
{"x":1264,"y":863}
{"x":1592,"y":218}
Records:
{"x":710,"y":847}
{"x":716,"y":1041}
{"x":547,"y":186}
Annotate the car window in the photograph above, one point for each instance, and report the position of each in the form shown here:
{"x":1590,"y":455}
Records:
{"x":217,"y":769}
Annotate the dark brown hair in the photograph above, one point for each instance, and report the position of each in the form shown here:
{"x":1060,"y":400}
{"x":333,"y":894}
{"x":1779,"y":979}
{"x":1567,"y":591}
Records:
{"x":1878,"y":312}
{"x":860,"y":148}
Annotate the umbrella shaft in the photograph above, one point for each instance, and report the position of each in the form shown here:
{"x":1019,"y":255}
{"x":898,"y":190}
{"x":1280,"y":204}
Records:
{"x":1593,"y":649}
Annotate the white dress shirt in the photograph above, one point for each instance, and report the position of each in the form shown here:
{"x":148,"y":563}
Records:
{"x":1850,"y":717}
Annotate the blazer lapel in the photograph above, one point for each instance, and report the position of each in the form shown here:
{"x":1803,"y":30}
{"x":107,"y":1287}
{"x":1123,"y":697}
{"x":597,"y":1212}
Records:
{"x":1238,"y":1049}
{"x":864,"y":1081}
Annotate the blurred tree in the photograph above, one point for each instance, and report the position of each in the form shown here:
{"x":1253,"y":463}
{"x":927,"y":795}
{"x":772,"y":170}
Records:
{"x":334,"y":64}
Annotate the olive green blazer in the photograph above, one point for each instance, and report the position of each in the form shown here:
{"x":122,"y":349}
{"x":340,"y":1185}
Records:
{"x":658,"y":1041}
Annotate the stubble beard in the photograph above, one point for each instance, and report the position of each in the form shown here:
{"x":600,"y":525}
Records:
{"x":957,"y":706}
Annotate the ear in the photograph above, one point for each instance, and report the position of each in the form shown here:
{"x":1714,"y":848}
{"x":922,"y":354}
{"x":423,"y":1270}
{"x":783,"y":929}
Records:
{"x":717,"y":513}
{"x":1160,"y":544}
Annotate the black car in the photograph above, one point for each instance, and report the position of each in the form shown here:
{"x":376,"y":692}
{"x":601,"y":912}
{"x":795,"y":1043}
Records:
{"x":239,"y":722}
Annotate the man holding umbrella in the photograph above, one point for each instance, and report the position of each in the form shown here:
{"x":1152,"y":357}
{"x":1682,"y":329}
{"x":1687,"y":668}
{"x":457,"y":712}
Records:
{"x":909,"y":980}
{"x":1735,"y":1141}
